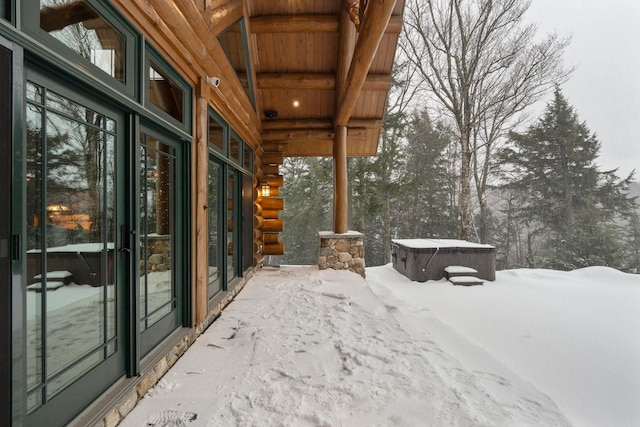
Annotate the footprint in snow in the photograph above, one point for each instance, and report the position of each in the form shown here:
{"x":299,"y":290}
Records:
{"x":170,"y":419}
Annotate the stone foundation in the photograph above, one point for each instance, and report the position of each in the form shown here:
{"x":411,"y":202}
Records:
{"x":342,"y":251}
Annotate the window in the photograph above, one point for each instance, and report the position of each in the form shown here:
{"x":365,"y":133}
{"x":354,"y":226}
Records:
{"x":235,"y":147}
{"x":167,"y":92}
{"x":85,"y":31}
{"x":81,"y":28}
{"x":234,"y":43}
{"x":247,"y":158}
{"x":217,"y":132}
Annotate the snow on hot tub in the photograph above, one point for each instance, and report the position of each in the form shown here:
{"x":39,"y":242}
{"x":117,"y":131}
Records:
{"x":426,"y":259}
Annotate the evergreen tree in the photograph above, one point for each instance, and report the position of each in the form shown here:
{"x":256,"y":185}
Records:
{"x":428,"y":207}
{"x":308,"y":196}
{"x":566,"y":198}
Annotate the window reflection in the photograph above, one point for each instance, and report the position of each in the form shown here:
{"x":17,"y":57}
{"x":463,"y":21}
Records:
{"x":234,"y":147}
{"x":233,"y":42}
{"x":231,"y":225}
{"x":157,"y":216}
{"x":165,"y":94}
{"x":215,"y":282}
{"x":79,"y":27}
{"x":71,"y":305}
{"x":216,"y":133}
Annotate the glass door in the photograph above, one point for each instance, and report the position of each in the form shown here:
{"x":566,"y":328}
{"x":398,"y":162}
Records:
{"x":74,"y":277}
{"x":233,"y":223}
{"x":161,"y":236}
{"x":215,"y":238}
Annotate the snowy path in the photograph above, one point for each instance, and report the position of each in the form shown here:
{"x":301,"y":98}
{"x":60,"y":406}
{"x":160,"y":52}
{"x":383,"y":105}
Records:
{"x":302,"y":347}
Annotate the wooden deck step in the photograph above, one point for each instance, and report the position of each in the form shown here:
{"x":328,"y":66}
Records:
{"x":459,"y":270}
{"x":466,"y":280}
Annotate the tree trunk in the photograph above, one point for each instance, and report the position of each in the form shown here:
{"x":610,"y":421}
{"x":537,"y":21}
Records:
{"x":465,"y":188}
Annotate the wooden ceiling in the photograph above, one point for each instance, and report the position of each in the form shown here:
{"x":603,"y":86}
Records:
{"x":301,"y":52}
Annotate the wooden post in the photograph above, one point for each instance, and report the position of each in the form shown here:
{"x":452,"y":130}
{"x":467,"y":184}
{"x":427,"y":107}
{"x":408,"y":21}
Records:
{"x":340,"y":181}
{"x":201,"y":153}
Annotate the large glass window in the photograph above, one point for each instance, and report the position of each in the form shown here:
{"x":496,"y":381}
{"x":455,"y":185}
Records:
{"x":71,"y":233}
{"x":158,"y":291}
{"x":81,"y":28}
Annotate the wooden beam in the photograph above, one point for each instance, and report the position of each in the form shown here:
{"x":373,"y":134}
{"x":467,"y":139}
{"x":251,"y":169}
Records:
{"x":373,"y":82}
{"x":271,"y":203}
{"x":311,"y":135}
{"x":295,"y":24}
{"x":201,"y":154}
{"x":273,"y":249}
{"x":371,"y":31}
{"x":340,"y":181}
{"x":318,"y":124}
{"x":309,"y":24}
{"x":346,"y":45}
{"x":220,"y":16}
{"x":273,"y":225}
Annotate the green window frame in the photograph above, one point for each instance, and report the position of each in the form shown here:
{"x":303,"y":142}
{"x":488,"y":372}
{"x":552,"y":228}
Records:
{"x":30,"y":18}
{"x":154,"y":60}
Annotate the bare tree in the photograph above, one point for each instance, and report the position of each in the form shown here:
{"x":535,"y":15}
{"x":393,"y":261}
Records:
{"x":483,"y":66}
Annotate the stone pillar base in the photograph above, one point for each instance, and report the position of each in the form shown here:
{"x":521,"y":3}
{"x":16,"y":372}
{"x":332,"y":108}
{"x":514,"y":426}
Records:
{"x":342,"y":251}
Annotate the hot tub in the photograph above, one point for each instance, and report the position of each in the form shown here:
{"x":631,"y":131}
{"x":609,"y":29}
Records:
{"x":426,"y":259}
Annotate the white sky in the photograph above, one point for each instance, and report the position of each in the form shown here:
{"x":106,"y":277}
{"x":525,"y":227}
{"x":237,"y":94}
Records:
{"x":605,"y":88}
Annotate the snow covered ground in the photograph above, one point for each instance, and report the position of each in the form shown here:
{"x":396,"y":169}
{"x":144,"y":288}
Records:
{"x":302,"y":347}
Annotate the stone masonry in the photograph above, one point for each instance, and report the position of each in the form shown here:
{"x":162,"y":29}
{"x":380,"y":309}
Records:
{"x":342,"y":251}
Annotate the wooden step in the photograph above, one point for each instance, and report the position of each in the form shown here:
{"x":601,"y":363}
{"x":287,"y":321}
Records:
{"x":466,"y":280}
{"x":459,"y":270}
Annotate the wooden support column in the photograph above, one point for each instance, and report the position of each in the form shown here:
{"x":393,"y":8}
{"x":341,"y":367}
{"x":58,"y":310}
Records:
{"x":340,"y":181}
{"x":201,"y":161}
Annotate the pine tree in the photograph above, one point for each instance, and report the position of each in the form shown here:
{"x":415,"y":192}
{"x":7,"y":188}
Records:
{"x":567,"y":198}
{"x":429,"y":205}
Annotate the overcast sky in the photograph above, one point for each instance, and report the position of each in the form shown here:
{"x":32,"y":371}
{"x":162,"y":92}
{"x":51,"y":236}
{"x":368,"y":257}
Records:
{"x":605,"y":87}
